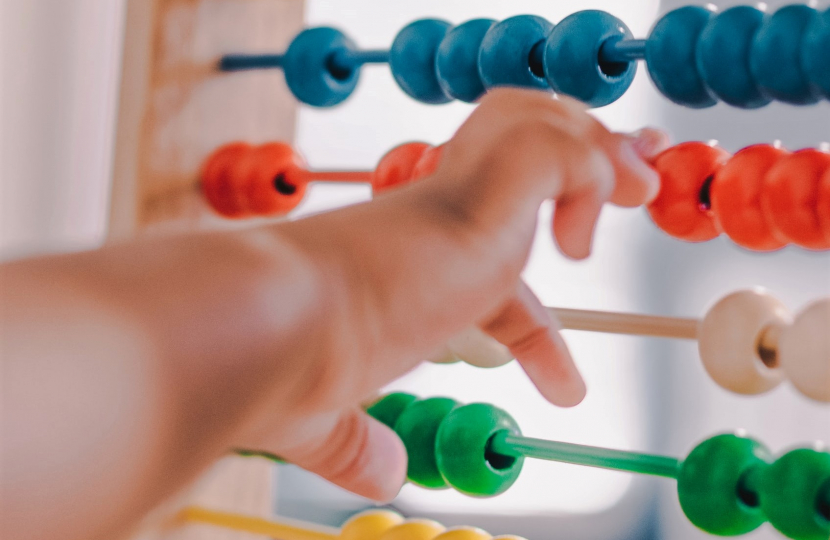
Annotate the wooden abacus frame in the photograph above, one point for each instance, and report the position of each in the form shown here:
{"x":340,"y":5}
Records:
{"x":175,"y":105}
{"x":174,"y":108}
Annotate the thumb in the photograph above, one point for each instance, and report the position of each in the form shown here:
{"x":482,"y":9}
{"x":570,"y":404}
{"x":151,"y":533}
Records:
{"x":352,"y":450}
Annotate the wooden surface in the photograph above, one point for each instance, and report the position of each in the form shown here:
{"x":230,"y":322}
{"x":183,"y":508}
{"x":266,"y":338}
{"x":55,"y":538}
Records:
{"x":174,"y":109}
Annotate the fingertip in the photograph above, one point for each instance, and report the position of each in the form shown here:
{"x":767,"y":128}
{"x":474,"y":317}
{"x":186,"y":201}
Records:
{"x":648,"y":142}
{"x":555,"y":375}
{"x":386,"y":462}
{"x":356,"y":452}
{"x":637,"y":182}
{"x":574,"y":225}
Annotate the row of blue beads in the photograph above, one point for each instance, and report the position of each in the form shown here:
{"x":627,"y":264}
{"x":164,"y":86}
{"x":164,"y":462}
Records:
{"x":741,"y":56}
{"x":694,"y":56}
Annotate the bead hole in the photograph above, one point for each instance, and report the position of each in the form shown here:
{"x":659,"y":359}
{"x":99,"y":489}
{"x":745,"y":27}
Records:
{"x":282,"y":186}
{"x":823,"y":503}
{"x":747,"y":489}
{"x":536,"y":60}
{"x":767,"y":346}
{"x":337,"y":70}
{"x":499,"y":462}
{"x":608,"y":68}
{"x":704,"y":197}
{"x":747,"y":496}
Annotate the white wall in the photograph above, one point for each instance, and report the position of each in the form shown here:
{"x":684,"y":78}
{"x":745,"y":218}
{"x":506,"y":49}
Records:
{"x":58,"y":89}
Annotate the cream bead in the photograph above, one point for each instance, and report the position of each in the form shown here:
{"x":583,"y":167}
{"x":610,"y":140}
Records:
{"x":414,"y":529}
{"x":369,"y":525}
{"x":804,"y":351}
{"x":509,"y":537}
{"x":463,"y":533}
{"x":478,"y":349}
{"x":729,"y":339}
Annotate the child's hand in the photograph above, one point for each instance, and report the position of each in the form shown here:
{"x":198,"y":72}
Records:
{"x":134,"y":367}
{"x":414,"y":267}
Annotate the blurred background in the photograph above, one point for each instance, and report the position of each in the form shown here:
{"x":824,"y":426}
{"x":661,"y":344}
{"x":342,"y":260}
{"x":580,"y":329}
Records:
{"x":58,"y":102}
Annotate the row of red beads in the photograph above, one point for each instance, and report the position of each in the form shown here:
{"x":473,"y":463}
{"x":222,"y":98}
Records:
{"x":241,"y":180}
{"x":762,"y":198}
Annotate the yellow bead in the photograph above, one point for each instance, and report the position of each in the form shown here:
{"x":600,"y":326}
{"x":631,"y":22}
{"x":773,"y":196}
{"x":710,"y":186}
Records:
{"x":463,"y":533}
{"x":369,"y":525}
{"x":414,"y":529}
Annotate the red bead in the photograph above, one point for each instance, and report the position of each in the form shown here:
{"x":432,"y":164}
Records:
{"x":824,"y":204}
{"x":736,"y":197}
{"x":790,"y":198}
{"x":428,"y":163}
{"x":395,"y":168}
{"x":682,"y":208}
{"x":220,"y":185}
{"x":269,"y":191}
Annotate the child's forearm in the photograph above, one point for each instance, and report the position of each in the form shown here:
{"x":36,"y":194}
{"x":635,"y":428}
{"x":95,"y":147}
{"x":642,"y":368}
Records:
{"x":127,"y":370}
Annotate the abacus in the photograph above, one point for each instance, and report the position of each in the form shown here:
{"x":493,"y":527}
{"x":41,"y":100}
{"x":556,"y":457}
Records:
{"x":763,"y":198}
{"x":181,"y":101}
{"x":728,"y":485}
{"x":695,"y":57}
{"x":370,"y":525}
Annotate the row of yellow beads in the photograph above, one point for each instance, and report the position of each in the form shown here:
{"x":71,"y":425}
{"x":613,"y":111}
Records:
{"x":386,"y":525}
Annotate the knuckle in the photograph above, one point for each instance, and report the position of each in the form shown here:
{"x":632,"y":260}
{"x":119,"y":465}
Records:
{"x":339,"y":454}
{"x":530,"y":339}
{"x":347,"y":447}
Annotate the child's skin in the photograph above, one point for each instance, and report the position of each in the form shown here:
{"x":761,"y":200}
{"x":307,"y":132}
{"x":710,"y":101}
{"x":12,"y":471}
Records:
{"x":129,"y":370}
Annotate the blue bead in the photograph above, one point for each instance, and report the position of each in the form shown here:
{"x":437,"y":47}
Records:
{"x":670,"y":57}
{"x":457,"y":60}
{"x":815,"y":57}
{"x":308,"y":72}
{"x":507,"y":52}
{"x":775,"y":57}
{"x":412,"y":59}
{"x":723,"y":56}
{"x":572,"y":58}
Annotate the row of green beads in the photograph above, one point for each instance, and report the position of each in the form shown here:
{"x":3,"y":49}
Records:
{"x":730,"y":485}
{"x":447,"y":442}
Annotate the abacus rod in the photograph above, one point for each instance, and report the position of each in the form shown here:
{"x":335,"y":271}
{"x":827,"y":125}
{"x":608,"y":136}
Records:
{"x":626,"y":323}
{"x":299,"y":176}
{"x":283,"y":530}
{"x":239,"y":62}
{"x":345,"y":60}
{"x":623,"y":50}
{"x":505,"y":444}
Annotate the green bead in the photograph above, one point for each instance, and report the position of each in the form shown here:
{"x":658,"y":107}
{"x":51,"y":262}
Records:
{"x":462,"y":450}
{"x":387,"y":409}
{"x":790,"y":490}
{"x":417,"y":426}
{"x":714,"y":484}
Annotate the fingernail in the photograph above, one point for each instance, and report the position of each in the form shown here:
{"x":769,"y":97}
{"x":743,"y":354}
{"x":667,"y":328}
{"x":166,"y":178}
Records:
{"x":634,"y":159}
{"x":648,"y":142}
{"x":641,"y":168}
